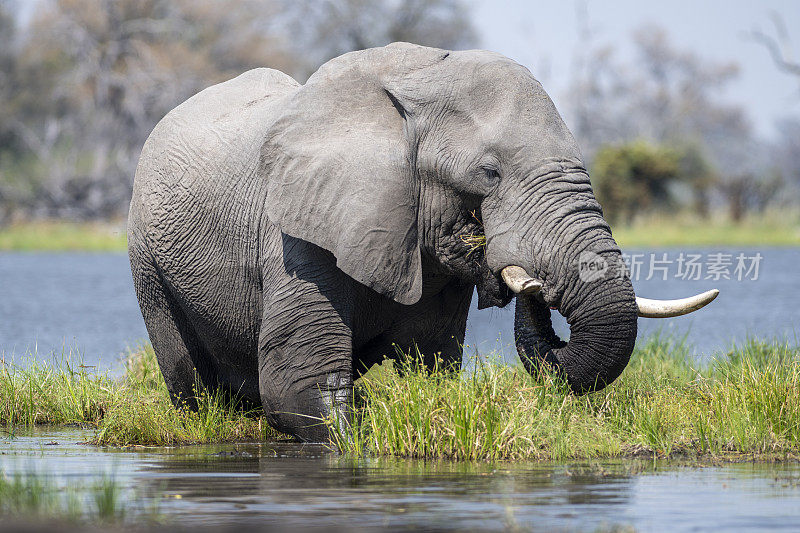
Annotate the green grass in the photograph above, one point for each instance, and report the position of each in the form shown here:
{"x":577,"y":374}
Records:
{"x":33,"y":497}
{"x":775,"y":228}
{"x":746,"y":402}
{"x":60,"y":236}
{"x":133,"y":410}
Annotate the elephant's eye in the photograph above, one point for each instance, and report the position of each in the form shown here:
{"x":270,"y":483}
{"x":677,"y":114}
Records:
{"x":492,"y":175}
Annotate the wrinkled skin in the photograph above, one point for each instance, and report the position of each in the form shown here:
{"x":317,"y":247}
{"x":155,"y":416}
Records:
{"x":283,"y":237}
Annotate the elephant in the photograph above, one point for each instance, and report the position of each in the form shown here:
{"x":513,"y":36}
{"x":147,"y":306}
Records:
{"x":284,"y":238}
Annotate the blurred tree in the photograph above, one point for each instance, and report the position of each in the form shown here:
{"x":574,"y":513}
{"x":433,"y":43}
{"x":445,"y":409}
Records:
{"x":634,"y":176}
{"x":9,"y":82}
{"x":323,"y":29}
{"x":84,"y":83}
{"x":667,"y":96}
{"x":786,"y":151}
{"x":747,"y":192}
{"x":8,"y":64}
{"x":670,"y":97}
{"x":695,"y":171}
{"x":96,"y":75}
{"x":778,"y":45}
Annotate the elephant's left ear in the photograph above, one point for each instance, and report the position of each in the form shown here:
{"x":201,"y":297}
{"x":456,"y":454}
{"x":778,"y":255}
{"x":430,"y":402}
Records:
{"x":340,"y":169}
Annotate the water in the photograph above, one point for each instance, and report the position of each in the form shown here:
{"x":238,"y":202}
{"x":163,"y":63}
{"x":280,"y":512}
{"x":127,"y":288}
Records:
{"x":307,"y":486}
{"x":766,"y":307}
{"x":83,"y":302}
{"x":86,"y":302}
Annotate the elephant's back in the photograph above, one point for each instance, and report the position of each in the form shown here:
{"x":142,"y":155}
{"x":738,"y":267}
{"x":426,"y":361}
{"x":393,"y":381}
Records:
{"x":215,"y":135}
{"x":195,"y":206}
{"x":200,"y":161}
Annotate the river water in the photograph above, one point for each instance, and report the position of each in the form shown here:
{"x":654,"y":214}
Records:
{"x":85,"y":303}
{"x":287,"y":485}
{"x":761,"y":304}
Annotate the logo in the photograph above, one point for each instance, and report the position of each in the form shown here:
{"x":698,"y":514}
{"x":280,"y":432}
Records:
{"x":591,"y":267}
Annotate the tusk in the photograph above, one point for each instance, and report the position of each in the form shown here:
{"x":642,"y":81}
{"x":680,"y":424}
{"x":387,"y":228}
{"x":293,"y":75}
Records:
{"x":519,"y":281}
{"x":669,"y":308}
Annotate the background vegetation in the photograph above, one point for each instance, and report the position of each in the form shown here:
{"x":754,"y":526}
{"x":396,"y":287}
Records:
{"x":83,"y":82}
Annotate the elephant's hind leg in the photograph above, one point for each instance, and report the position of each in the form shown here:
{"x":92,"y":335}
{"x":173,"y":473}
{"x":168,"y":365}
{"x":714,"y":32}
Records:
{"x":175,"y":343}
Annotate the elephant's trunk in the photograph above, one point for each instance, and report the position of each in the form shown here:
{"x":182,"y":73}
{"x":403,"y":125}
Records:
{"x":548,"y":225}
{"x":601,"y":335}
{"x":603,"y":319}
{"x":547,"y":239}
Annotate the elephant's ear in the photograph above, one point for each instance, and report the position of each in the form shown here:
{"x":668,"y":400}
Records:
{"x":339,"y":163}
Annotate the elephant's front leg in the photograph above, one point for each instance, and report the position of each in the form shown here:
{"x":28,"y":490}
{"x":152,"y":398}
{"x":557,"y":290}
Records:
{"x":305,"y":357}
{"x":305,"y":370}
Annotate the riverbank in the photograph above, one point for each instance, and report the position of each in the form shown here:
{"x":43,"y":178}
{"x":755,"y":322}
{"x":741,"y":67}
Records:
{"x":64,"y":236}
{"x":745,"y":404}
{"x":132,"y":410}
{"x":778,"y":228}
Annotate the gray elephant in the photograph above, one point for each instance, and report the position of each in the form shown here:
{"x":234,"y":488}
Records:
{"x":283,"y":238}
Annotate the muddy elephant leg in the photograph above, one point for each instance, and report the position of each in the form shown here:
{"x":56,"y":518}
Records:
{"x":175,"y":343}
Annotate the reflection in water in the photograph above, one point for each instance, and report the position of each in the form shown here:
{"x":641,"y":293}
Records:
{"x":277,"y":479}
{"x":279,"y":483}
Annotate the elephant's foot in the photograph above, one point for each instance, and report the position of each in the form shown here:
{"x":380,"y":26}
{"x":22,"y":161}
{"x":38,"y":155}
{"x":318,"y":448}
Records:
{"x":314,"y":412}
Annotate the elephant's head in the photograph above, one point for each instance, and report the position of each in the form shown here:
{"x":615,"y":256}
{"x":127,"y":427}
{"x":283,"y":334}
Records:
{"x":392,"y":157}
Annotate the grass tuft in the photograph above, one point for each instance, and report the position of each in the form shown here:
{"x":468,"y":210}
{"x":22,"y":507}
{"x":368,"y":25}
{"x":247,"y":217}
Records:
{"x":133,"y":410}
{"x":745,"y":402}
{"x":52,"y":393}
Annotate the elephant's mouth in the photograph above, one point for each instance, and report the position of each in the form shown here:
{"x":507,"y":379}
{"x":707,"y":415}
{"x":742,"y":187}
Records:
{"x":492,"y":292}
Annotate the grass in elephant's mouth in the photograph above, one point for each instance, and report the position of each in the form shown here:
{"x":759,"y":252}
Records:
{"x":474,"y":241}
{"x":746,"y":402}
